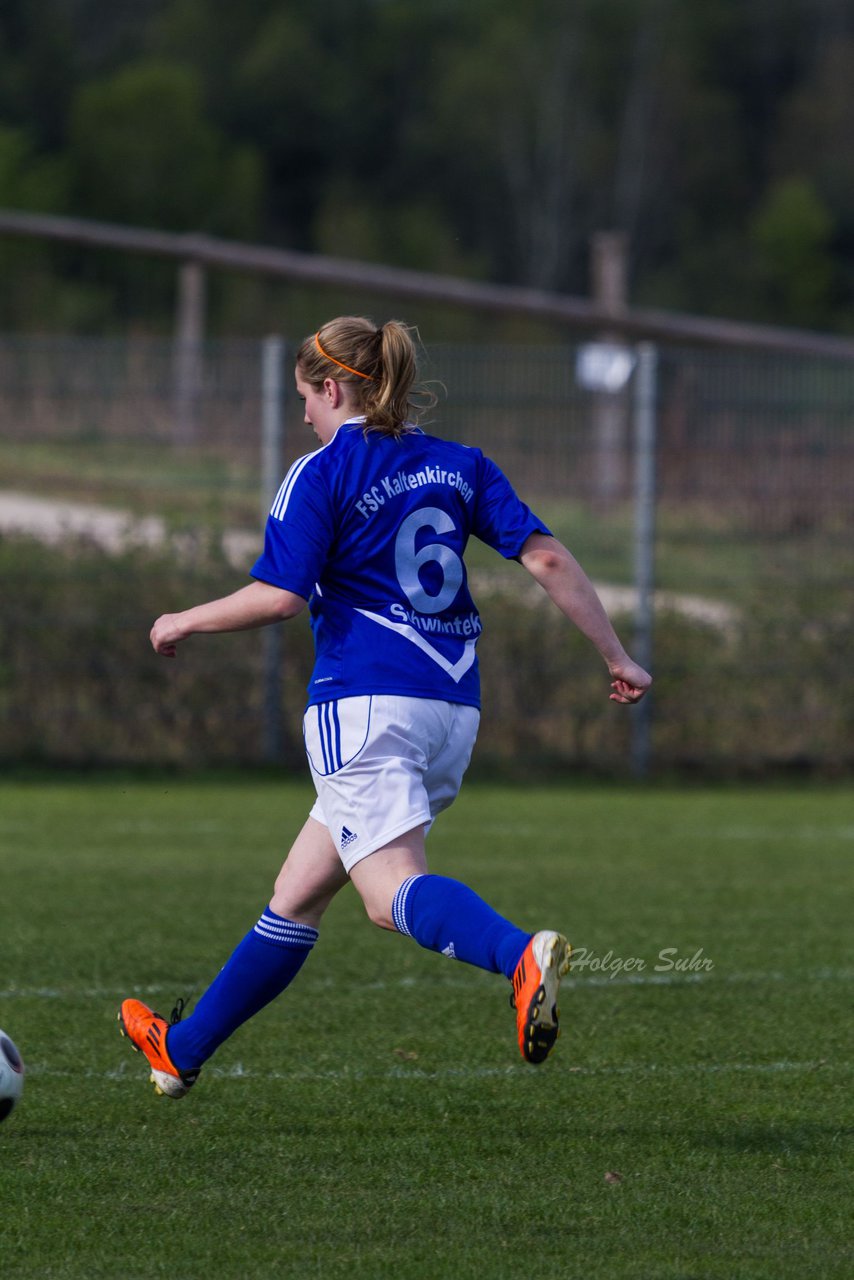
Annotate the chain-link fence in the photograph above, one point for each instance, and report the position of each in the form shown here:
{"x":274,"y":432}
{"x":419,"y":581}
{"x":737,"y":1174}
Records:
{"x":134,"y":475}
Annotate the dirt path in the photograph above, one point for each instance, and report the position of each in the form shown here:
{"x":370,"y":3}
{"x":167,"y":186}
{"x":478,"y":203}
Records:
{"x":52,"y":521}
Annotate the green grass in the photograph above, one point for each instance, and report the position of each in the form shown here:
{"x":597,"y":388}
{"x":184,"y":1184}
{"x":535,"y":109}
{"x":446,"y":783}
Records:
{"x":376,"y":1121}
{"x":183,"y":486}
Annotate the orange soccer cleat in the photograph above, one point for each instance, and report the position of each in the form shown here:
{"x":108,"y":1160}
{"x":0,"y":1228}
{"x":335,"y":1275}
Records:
{"x":535,"y":988}
{"x":146,"y":1031}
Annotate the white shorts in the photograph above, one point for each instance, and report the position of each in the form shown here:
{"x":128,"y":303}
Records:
{"x":385,"y":764}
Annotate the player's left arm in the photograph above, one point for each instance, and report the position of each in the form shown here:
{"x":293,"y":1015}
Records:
{"x":558,"y":572}
{"x":256,"y":605}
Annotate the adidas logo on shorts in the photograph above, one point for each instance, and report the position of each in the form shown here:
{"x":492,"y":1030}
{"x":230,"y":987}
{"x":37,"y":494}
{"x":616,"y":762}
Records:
{"x":347,"y":837}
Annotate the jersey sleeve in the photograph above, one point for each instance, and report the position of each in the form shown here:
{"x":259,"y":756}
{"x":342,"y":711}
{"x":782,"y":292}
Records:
{"x":501,"y":518}
{"x":299,"y":532}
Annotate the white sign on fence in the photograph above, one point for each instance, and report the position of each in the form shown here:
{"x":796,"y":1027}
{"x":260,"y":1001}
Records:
{"x":604,"y":366}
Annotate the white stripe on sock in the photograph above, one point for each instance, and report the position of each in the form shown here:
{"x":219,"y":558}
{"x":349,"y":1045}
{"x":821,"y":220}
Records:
{"x":285,"y":933}
{"x":398,"y":906}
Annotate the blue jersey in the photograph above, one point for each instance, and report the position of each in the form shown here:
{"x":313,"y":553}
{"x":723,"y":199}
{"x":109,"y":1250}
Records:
{"x":372,"y":531}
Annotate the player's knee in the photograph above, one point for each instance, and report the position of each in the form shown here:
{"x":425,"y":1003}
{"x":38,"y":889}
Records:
{"x":379,"y":913}
{"x":306,"y":908}
{"x":378,"y":908}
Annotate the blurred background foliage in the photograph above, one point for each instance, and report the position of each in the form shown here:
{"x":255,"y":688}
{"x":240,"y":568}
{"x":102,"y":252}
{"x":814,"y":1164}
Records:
{"x":489,"y":139}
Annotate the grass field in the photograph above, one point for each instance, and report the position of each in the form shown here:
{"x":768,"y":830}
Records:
{"x":377,"y":1121}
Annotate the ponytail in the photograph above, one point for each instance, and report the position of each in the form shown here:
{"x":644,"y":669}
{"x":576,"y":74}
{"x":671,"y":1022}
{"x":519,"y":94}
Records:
{"x":379,"y":365}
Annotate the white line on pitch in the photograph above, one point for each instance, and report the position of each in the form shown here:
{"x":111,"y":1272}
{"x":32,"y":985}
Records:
{"x":239,"y":1072}
{"x":575,"y":983}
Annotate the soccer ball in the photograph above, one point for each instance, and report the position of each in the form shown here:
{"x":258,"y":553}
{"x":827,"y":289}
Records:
{"x":11,"y":1076}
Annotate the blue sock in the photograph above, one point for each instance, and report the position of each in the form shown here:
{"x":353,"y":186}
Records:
{"x":263,"y":964}
{"x":445,"y":915}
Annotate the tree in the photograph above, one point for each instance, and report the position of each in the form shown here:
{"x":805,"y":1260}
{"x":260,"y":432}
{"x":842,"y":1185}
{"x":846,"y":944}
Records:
{"x":29,"y":180}
{"x":792,"y":234}
{"x":143,"y":152}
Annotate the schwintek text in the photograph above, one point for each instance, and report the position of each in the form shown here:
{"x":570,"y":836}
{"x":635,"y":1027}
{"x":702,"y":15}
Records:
{"x":468,"y":625}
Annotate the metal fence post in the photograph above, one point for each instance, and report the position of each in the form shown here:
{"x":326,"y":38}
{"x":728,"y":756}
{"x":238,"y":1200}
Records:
{"x":272,"y":420}
{"x":610,"y":292}
{"x":189,"y":335}
{"x":645,"y":397}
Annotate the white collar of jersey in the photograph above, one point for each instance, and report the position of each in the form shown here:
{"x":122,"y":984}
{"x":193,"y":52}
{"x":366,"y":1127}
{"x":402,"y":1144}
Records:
{"x":354,"y":422}
{"x":351,"y":422}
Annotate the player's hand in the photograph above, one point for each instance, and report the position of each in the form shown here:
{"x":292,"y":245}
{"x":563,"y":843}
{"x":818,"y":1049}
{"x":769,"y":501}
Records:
{"x":165,"y":635}
{"x":630,"y":682}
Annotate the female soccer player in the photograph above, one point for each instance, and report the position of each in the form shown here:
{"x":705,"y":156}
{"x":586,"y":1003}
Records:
{"x":370,"y":530}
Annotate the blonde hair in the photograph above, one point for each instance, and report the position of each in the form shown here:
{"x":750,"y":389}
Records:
{"x":378,"y":364}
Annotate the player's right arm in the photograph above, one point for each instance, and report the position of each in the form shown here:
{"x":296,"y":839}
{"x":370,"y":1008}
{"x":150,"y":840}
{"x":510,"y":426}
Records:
{"x":254,"y":606}
{"x":297,"y":536}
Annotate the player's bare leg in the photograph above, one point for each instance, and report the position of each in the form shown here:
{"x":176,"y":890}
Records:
{"x":378,"y":877}
{"x":310,"y":877}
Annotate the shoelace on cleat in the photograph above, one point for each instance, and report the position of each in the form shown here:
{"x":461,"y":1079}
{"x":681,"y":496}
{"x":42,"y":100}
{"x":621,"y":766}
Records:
{"x":178,"y":1012}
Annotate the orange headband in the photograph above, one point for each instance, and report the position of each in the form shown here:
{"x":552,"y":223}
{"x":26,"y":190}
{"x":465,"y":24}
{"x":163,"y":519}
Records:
{"x":332,"y":360}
